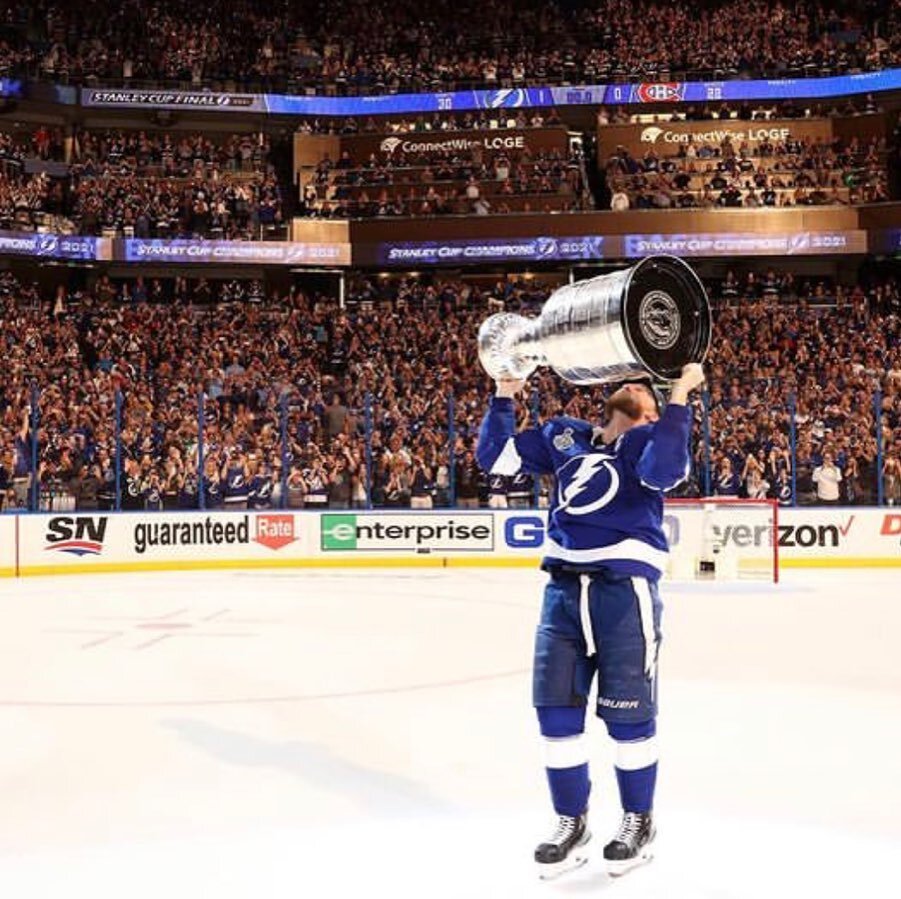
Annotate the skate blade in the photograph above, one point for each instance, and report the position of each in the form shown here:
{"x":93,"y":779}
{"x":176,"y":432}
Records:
{"x":616,"y":868}
{"x":576,"y":858}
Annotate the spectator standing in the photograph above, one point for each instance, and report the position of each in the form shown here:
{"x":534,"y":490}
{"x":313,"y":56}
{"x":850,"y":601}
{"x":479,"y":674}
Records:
{"x":422,"y":487}
{"x":467,"y":477}
{"x":827,"y":478}
{"x":335,"y":417}
{"x":891,"y":472}
{"x":727,"y":482}
{"x":21,"y":479}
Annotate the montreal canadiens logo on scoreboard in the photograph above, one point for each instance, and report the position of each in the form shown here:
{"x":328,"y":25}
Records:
{"x":660,"y":92}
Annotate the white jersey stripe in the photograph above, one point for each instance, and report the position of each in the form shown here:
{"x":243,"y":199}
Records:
{"x":585,"y":615}
{"x":646,"y":616}
{"x":509,"y":461}
{"x":630,"y":550}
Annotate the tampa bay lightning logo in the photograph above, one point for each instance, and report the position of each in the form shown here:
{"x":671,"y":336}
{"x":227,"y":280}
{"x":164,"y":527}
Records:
{"x":506,"y":98}
{"x":546,"y":248}
{"x":799,"y":242}
{"x":47,"y":245}
{"x":586,"y":484}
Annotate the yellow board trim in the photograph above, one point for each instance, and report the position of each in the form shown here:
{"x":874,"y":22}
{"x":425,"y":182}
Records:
{"x":229,"y":565}
{"x":354,"y":561}
{"x":838,"y":562}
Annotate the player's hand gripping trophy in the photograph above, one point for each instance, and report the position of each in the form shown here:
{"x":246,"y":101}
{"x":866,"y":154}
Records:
{"x":649,"y":323}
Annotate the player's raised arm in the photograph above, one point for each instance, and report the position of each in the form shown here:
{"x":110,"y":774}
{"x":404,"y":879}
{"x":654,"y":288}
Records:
{"x":665,"y":460}
{"x":501,"y":450}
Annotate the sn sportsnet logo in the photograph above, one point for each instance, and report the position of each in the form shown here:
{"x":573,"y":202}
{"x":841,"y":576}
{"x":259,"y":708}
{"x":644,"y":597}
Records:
{"x":82,"y":535}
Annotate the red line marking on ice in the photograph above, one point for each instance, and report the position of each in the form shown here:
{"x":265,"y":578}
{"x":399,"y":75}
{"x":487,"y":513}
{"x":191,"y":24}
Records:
{"x":105,"y":637}
{"x":153,"y":641}
{"x":201,"y":634}
{"x":215,"y":615}
{"x":163,"y":625}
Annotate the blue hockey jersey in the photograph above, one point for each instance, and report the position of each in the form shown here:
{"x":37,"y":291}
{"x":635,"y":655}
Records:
{"x":606,"y":509}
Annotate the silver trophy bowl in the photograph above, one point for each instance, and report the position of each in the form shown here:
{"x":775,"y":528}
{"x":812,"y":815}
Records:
{"x":652,"y":318}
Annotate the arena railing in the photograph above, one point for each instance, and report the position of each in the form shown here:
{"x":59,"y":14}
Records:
{"x":874,"y":478}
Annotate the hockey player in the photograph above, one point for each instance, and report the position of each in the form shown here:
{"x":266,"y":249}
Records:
{"x":605,"y":552}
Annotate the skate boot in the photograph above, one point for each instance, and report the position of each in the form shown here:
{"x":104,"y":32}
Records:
{"x":632,"y":845}
{"x":565,"y":848}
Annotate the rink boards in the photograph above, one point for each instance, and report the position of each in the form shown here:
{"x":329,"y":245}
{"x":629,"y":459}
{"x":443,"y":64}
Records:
{"x":71,"y":543}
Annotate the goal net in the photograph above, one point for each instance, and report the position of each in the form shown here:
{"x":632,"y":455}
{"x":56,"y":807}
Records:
{"x":721,"y":538}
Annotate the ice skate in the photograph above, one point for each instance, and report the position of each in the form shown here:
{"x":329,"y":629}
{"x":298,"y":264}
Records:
{"x":565,"y":849}
{"x":632,"y":845}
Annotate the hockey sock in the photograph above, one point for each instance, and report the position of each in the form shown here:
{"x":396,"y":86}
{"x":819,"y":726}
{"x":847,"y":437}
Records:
{"x":636,"y":764}
{"x":566,"y":758}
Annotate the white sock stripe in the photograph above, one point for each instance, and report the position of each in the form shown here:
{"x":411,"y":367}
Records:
{"x":509,"y":461}
{"x":565,"y":752}
{"x":646,"y":616}
{"x":637,"y":754}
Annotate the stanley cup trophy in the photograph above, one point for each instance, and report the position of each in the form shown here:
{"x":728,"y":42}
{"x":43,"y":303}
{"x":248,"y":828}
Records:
{"x":652,"y":318}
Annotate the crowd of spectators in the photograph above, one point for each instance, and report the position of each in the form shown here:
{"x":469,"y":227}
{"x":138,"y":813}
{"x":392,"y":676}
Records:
{"x":357,"y":46}
{"x":392,"y":361}
{"x":142,"y":184}
{"x":794,"y":172}
{"x":823,"y":355}
{"x":457,"y":182}
{"x":235,"y":186}
{"x":480,"y":120}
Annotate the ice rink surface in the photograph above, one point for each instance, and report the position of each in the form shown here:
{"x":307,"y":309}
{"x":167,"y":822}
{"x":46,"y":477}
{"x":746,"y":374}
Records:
{"x":369,"y":733}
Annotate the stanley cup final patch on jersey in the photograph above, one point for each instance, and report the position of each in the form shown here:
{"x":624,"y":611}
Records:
{"x":564,"y":441}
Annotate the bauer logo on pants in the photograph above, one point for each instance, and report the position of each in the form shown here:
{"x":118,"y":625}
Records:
{"x":419,"y":533}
